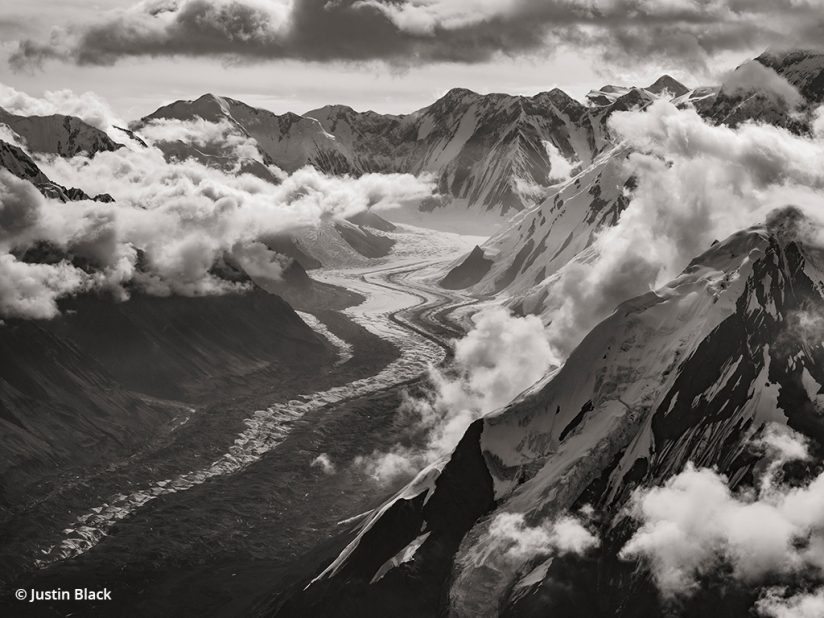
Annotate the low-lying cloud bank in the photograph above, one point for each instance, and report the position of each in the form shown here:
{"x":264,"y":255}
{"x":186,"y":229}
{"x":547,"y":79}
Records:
{"x":499,"y":358}
{"x":696,"y":183}
{"x":421,"y":31}
{"x":171,"y":225}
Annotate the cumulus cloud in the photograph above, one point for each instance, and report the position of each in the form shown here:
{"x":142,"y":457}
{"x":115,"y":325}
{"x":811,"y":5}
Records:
{"x":19,"y":205}
{"x":31,"y":290}
{"x":782,"y":445}
{"x":415,"y":31}
{"x":696,"y":183}
{"x":425,"y":17}
{"x":519,"y":542}
{"x":776,"y":604}
{"x":499,"y":358}
{"x":202,"y":134}
{"x":806,"y":325}
{"x":695,"y":522}
{"x":753,"y":77}
{"x":818,"y":122}
{"x":560,"y":168}
{"x":324,"y":462}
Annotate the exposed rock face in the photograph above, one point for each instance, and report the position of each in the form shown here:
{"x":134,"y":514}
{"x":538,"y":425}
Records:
{"x":665,"y":83}
{"x":469,"y":272}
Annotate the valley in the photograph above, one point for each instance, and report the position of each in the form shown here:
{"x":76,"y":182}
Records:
{"x":174,"y":500}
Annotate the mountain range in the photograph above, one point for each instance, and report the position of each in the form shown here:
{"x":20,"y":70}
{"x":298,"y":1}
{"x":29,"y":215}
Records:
{"x":690,"y":372}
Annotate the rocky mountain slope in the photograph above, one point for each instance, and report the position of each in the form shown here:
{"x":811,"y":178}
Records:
{"x":61,"y":135}
{"x":543,"y":238}
{"x":101,"y":379}
{"x":691,"y":371}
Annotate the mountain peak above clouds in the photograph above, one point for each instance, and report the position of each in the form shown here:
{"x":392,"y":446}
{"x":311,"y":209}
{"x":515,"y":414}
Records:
{"x":208,"y":107}
{"x":668,"y":84}
{"x":664,"y":85}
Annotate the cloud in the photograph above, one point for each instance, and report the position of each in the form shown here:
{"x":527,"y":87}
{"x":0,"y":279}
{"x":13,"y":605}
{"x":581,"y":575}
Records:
{"x":323,"y":462}
{"x":560,"y":168}
{"x":694,"y":523}
{"x":32,"y":290}
{"x":425,"y":17}
{"x":696,"y":183}
{"x":753,"y":77}
{"x":19,"y":205}
{"x":782,"y":445}
{"x":818,"y":122}
{"x":805,"y":605}
{"x":806,"y":325}
{"x":203,"y":134}
{"x":499,"y":358}
{"x":420,"y":31}
{"x":520,"y":542}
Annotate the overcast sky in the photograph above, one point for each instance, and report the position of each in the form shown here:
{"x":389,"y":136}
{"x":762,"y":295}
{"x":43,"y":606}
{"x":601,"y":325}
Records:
{"x":386,"y":55}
